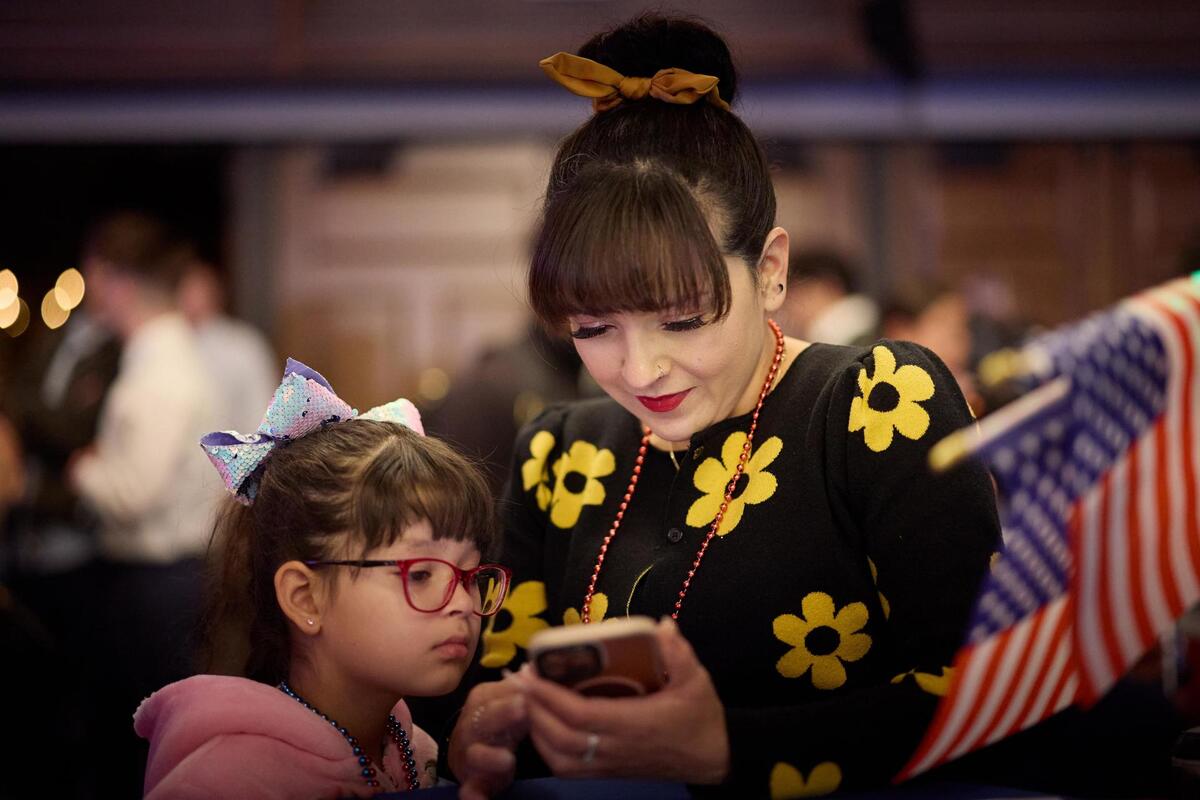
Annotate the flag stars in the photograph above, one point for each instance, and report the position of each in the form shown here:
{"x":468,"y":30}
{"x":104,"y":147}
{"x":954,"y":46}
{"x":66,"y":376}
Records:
{"x":1046,"y":582}
{"x":1028,"y":473}
{"x":1045,"y":486}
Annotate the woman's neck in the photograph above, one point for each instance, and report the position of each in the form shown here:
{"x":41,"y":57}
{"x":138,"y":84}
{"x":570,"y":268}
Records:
{"x":360,"y":711}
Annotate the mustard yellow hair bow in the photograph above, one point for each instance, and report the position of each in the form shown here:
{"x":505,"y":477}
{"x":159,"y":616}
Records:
{"x":607,"y":87}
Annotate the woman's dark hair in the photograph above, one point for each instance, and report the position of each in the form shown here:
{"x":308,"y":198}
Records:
{"x":645,"y":198}
{"x":336,"y":493}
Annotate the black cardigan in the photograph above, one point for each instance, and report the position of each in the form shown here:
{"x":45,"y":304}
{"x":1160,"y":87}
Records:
{"x":832,"y":603}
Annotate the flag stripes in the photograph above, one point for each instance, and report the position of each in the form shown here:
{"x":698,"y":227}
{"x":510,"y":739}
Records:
{"x":1102,"y":526}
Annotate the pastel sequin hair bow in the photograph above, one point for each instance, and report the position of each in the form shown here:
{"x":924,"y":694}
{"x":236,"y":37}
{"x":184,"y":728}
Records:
{"x":303,"y":403}
{"x":608,"y":88}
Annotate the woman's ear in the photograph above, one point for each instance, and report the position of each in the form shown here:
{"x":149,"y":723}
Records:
{"x":301,"y":596}
{"x":773,"y":269}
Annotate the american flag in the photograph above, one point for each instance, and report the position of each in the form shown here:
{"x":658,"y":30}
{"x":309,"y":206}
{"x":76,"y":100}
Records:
{"x":1098,"y":469}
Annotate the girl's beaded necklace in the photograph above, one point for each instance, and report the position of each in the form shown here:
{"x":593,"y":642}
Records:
{"x":716,"y":524}
{"x":395,"y":731}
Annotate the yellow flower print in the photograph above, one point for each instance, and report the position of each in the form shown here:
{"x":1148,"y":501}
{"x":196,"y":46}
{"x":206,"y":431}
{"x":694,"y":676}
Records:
{"x":523,"y":604}
{"x":713,"y":478}
{"x":934,"y":684}
{"x":787,"y":782}
{"x":576,"y":484}
{"x":534,"y":471}
{"x":822,"y":640}
{"x":889,"y":401}
{"x":883,"y":601}
{"x":574,"y":616}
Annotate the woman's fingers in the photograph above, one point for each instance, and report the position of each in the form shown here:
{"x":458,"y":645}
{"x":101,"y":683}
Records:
{"x":563,"y":746}
{"x":568,"y":705}
{"x":677,"y":733}
{"x":504,"y":721}
{"x":679,"y":659}
{"x":494,"y":719}
{"x":489,"y":769}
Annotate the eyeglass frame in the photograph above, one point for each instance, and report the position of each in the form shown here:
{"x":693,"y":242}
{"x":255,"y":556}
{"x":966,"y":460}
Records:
{"x":404,"y":564}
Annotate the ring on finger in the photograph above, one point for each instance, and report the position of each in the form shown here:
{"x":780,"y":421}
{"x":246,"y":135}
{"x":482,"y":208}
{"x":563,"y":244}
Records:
{"x":593,"y":742}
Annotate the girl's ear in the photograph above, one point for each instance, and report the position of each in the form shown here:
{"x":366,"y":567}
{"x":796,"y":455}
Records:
{"x":773,"y":269}
{"x":301,"y":596}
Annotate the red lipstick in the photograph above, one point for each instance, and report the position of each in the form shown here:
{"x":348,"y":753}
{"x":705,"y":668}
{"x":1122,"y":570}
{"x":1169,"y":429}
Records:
{"x":663,"y":403}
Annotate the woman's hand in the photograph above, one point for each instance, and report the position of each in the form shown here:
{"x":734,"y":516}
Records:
{"x":493,"y":721}
{"x":677,"y":733}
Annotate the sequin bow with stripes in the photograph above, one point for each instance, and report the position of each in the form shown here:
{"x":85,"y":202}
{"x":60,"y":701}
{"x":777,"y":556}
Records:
{"x":303,"y":403}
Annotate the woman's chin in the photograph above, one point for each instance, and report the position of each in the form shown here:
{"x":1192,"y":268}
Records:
{"x":674,"y":426}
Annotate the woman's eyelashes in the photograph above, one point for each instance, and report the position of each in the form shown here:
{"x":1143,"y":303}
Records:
{"x":689,"y":324}
{"x":675,"y":326}
{"x":588,"y":331}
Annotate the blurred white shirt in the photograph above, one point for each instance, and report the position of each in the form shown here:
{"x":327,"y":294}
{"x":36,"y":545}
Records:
{"x":147,"y":477}
{"x":243,"y":370}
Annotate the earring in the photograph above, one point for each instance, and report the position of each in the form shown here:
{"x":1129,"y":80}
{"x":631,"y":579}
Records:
{"x":309,"y":621}
{"x":780,"y":287}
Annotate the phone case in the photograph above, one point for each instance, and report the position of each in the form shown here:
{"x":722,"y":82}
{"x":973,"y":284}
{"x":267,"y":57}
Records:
{"x":618,"y":658}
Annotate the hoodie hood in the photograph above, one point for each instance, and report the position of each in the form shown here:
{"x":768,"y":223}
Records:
{"x":189,"y":718}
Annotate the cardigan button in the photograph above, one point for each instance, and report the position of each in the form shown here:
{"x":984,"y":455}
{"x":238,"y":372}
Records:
{"x":698,"y":453}
{"x":674,"y":535}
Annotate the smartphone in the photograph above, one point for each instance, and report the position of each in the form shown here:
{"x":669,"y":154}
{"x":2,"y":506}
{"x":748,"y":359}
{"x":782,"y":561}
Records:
{"x":616,"y":658}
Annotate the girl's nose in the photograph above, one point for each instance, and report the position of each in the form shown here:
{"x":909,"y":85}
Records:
{"x":463,"y":599}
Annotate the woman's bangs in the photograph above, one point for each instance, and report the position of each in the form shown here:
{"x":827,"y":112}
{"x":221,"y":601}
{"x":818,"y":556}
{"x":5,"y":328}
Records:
{"x":638,"y":243}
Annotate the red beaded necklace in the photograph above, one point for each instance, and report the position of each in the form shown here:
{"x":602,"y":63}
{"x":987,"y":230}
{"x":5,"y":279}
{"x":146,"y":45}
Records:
{"x":712,"y":531}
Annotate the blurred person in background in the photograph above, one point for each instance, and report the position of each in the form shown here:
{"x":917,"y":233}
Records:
{"x":241,"y":363}
{"x":935,"y":315}
{"x":149,"y":483}
{"x":823,"y":302}
{"x":49,"y":406}
{"x":505,"y":388}
{"x":12,"y":468}
{"x":53,"y":404}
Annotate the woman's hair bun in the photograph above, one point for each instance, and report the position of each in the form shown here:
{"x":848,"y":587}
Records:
{"x":641,"y":47}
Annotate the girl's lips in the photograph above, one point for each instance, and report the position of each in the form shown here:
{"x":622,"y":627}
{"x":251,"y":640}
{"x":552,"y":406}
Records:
{"x":664,"y":403}
{"x":455,"y":647}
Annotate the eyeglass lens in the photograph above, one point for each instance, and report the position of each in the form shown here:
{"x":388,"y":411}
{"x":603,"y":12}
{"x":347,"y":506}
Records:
{"x":431,"y":585}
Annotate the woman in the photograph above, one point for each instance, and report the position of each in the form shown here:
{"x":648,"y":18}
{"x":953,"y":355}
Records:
{"x":770,"y":494}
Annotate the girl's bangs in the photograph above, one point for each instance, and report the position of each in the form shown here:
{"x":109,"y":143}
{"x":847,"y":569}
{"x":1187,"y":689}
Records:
{"x":422,"y":478}
{"x":629,"y":240}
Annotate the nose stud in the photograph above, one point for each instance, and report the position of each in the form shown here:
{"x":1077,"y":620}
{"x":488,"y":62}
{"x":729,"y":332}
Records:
{"x":661,"y":369}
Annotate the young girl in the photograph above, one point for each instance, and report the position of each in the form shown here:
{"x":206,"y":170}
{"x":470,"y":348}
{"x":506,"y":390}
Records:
{"x":348,"y":576}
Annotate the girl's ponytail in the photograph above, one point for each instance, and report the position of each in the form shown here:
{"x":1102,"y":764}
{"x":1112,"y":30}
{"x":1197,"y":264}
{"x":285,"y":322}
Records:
{"x":229,"y":607}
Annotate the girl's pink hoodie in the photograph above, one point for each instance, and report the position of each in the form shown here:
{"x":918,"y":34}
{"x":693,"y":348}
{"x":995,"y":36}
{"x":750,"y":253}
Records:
{"x":215,"y":736}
